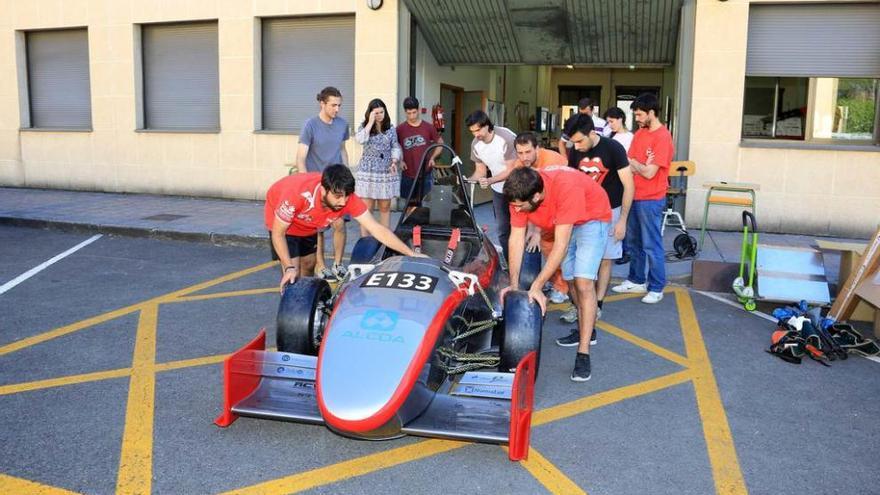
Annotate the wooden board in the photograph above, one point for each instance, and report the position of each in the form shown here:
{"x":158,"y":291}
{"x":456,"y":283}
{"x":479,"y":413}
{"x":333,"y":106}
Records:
{"x":847,"y":299}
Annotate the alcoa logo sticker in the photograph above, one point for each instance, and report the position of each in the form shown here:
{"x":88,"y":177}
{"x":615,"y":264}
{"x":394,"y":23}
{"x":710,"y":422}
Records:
{"x":377,"y":325}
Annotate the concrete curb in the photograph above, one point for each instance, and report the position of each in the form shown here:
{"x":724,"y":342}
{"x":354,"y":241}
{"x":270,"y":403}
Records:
{"x":218,"y":239}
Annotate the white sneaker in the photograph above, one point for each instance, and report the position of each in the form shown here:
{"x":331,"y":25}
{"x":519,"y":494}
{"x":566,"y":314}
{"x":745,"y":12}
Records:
{"x":557,"y":297}
{"x":598,"y":313}
{"x":652,"y":297}
{"x":628,"y":287}
{"x":571,"y":315}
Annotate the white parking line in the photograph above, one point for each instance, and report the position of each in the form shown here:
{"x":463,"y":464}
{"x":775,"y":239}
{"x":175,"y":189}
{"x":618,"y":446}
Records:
{"x":37,"y":269}
{"x":735,"y":305}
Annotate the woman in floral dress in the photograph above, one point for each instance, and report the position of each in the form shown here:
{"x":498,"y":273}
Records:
{"x":377,"y":180}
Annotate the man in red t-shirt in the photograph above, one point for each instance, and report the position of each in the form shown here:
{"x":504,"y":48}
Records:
{"x":569,"y":203}
{"x":650,"y":154}
{"x":298,"y":206}
{"x":414,"y":136}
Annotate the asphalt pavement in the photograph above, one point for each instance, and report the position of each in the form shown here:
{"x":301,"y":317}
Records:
{"x":110,"y":378}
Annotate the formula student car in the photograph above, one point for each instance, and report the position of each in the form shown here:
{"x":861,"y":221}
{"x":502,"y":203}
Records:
{"x":404,"y":345}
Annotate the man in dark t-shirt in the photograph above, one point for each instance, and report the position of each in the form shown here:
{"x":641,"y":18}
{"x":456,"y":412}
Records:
{"x":414,"y":136}
{"x":605,"y":160}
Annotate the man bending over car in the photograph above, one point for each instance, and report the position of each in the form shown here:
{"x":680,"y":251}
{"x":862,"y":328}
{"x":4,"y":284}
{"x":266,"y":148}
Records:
{"x":575,"y":208}
{"x":298,"y":206}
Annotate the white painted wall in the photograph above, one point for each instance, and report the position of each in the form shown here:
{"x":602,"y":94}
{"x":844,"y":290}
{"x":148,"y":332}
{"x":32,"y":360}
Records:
{"x":429,"y":76}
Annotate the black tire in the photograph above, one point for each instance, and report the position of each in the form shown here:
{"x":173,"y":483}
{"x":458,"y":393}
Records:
{"x":297,"y":329}
{"x":522,"y":331}
{"x":364,"y":250}
{"x":529,"y":269}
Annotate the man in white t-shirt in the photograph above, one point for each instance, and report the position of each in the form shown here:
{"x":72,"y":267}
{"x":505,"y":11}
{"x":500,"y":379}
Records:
{"x":493,"y":150}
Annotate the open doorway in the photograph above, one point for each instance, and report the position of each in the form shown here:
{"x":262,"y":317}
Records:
{"x":569,"y":96}
{"x":624,"y":96}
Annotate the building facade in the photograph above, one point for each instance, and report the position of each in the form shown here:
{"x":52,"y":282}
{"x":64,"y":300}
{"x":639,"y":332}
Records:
{"x":207,"y":98}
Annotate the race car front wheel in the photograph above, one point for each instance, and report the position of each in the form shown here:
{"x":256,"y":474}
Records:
{"x":522,"y":331}
{"x":302,"y":314}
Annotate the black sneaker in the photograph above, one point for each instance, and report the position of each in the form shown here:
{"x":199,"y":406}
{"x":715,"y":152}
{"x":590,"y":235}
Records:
{"x":622,"y":260}
{"x":594,"y":337}
{"x":574,"y":338}
{"x":581,"y":372}
{"x":570,"y":340}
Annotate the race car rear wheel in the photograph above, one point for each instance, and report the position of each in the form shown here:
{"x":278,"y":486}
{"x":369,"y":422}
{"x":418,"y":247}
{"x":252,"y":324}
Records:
{"x":522,"y":331}
{"x":302,"y":314}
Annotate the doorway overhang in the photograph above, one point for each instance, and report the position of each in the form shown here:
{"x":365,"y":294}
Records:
{"x":607,"y":33}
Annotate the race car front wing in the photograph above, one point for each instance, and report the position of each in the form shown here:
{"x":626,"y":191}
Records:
{"x":489,"y":407}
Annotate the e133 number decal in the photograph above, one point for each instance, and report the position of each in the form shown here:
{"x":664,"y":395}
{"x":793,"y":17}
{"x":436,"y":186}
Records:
{"x":401,"y":280}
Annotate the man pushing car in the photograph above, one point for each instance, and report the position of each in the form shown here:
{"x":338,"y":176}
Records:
{"x":575,"y":208}
{"x":298,"y":206}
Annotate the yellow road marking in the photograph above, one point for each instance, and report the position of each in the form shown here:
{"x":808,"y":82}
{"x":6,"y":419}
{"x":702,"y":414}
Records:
{"x":64,"y":380}
{"x":15,"y":388}
{"x":217,"y":281}
{"x":719,"y":440}
{"x":61,"y":331}
{"x":644,"y":344}
{"x":554,"y":480}
{"x":95,"y":320}
{"x":136,"y":459}
{"x":220,"y":295}
{"x":616,"y":297}
{"x":189,"y":363}
{"x":351,"y":468}
{"x":11,"y":484}
{"x":602,"y":399}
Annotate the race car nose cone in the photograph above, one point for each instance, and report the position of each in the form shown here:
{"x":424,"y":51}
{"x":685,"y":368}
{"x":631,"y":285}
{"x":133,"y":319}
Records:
{"x":383,"y":330}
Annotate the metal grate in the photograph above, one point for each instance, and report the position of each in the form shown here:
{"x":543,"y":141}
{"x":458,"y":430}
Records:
{"x":164,"y":217}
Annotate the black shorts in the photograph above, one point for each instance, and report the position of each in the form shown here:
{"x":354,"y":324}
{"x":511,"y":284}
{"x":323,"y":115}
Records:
{"x":297,"y":246}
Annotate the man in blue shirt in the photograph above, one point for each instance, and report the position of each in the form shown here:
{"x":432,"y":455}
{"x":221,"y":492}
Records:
{"x":321,"y":144}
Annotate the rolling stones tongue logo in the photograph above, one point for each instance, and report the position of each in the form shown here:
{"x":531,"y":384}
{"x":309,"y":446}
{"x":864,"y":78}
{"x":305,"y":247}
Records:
{"x":594,"y":168}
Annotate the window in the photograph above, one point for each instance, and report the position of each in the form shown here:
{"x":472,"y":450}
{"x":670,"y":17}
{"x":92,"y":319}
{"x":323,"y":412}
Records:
{"x":301,"y":56}
{"x":59,"y":95}
{"x":180,"y":77}
{"x":775,"y":107}
{"x":812,"y":73}
{"x":845,"y":109}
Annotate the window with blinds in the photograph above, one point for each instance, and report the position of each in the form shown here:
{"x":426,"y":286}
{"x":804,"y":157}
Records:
{"x":58,"y":79}
{"x":301,"y":56}
{"x":181,"y":88}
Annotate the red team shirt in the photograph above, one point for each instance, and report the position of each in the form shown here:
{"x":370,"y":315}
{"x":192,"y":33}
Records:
{"x":660,"y":141}
{"x":297,"y":199}
{"x":570,"y":197}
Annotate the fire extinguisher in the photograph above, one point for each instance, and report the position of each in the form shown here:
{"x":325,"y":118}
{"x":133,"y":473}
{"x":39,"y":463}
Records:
{"x":438,"y":118}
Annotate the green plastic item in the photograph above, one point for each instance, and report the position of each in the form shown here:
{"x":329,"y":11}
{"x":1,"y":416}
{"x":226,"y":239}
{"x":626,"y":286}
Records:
{"x":745,"y":293}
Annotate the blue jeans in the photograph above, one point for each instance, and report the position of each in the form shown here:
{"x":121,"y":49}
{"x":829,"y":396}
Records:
{"x":645,"y":244}
{"x":502,"y":219}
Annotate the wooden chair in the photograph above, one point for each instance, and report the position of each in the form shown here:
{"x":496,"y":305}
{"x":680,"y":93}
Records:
{"x":684,"y":169}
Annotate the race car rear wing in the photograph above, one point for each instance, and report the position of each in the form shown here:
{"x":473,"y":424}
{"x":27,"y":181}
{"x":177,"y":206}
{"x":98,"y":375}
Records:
{"x":487,"y":407}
